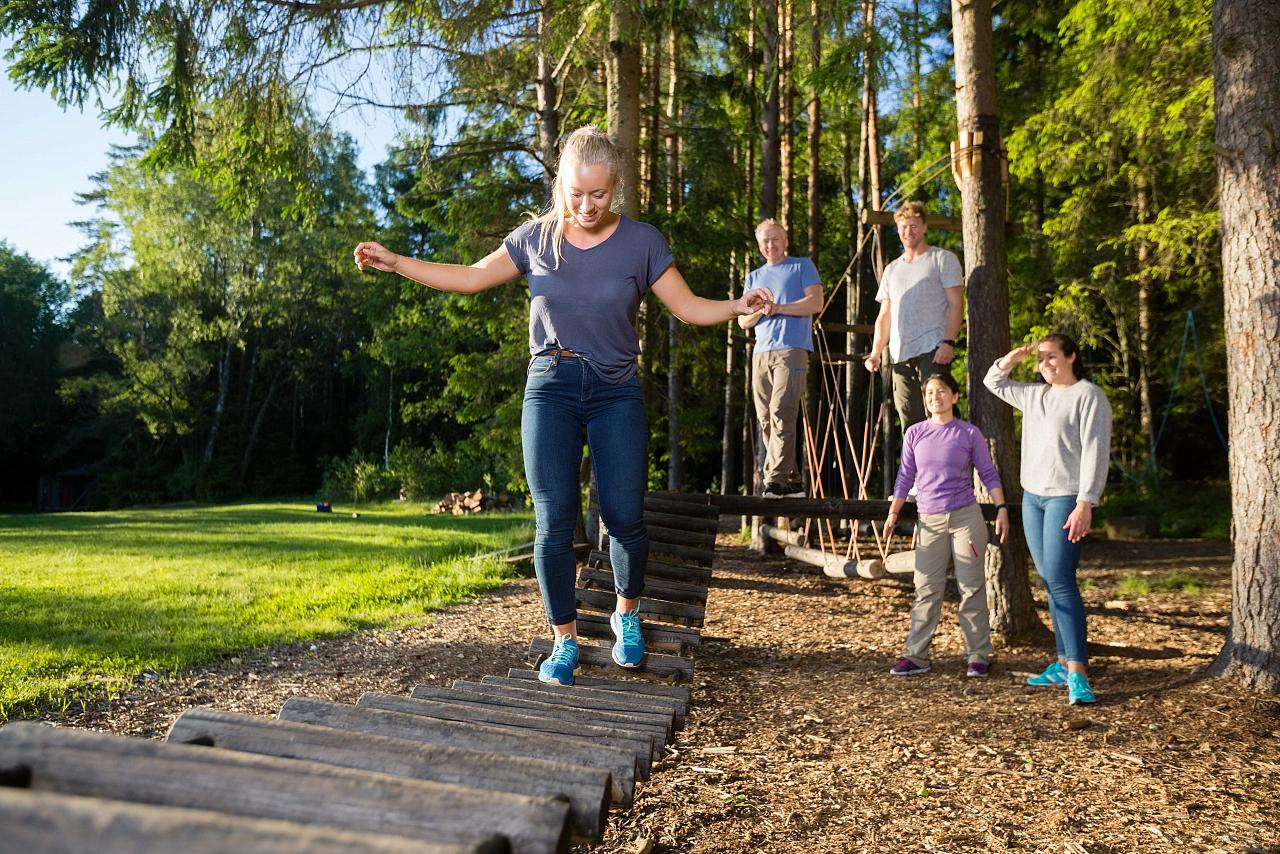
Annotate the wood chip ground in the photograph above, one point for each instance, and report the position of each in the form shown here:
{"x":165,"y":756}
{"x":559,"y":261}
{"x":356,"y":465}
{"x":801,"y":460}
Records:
{"x":800,"y":741}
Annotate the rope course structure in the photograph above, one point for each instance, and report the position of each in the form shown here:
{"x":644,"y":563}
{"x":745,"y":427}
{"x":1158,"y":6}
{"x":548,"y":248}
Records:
{"x":828,"y":442}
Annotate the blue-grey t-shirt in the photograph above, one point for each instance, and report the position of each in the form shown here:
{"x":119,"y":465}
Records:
{"x":787,"y":280}
{"x":588,"y":304}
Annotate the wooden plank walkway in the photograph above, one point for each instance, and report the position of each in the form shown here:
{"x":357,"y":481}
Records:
{"x":503,"y":764}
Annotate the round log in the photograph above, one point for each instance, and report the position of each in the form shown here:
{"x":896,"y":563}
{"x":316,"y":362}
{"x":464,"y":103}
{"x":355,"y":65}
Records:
{"x":46,"y":822}
{"x":78,"y":762}
{"x":586,"y":788}
{"x":620,"y":764}
{"x":642,"y":747}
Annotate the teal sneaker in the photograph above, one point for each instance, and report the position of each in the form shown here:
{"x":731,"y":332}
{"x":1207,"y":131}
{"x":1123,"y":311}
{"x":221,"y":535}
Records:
{"x":1054,"y":674}
{"x":628,"y":644}
{"x":561,"y":664}
{"x":1078,"y":690}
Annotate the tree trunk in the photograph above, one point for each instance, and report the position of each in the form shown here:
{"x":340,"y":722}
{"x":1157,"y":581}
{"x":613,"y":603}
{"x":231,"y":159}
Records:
{"x":728,"y":435}
{"x":675,"y":455}
{"x":548,"y":115}
{"x":251,"y":443}
{"x":787,"y":113}
{"x":1246,"y":84}
{"x":871,"y":262}
{"x":654,"y":139}
{"x":917,"y":121}
{"x":624,"y":97}
{"x":770,"y":150}
{"x":220,"y":402}
{"x":1013,"y":613}
{"x":815,"y":133}
{"x":1142,"y":192}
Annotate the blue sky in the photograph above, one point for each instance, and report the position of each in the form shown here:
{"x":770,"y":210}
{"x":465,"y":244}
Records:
{"x":47,"y":156}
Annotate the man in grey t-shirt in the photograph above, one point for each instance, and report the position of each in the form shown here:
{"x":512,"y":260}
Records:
{"x":921,"y":300}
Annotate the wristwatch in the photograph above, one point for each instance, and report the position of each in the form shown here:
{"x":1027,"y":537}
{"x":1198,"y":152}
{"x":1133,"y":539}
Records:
{"x":950,"y":341}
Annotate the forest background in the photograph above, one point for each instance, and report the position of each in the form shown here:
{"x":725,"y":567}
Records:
{"x":215,"y":342}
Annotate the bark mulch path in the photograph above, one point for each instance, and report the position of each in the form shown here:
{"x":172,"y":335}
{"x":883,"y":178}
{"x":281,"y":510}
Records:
{"x":800,"y":741}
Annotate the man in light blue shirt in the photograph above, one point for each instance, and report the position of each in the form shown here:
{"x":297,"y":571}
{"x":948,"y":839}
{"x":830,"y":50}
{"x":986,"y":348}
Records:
{"x":780,"y":365}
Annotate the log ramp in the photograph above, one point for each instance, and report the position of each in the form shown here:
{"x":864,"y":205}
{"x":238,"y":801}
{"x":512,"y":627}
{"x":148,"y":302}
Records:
{"x":503,"y":764}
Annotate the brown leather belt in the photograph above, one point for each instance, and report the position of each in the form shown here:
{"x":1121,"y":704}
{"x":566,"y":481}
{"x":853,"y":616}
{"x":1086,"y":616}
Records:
{"x":561,"y":353}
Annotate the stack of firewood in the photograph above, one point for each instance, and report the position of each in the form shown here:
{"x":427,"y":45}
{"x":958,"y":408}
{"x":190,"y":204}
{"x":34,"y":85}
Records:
{"x":462,"y":503}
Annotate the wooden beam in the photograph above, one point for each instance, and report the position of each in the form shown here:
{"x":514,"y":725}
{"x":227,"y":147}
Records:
{"x":43,"y":821}
{"x":80,"y":762}
{"x":586,"y":788}
{"x":619,"y":763}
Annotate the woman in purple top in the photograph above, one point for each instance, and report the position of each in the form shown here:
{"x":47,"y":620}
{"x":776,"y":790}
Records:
{"x":588,"y":268}
{"x":938,"y":459}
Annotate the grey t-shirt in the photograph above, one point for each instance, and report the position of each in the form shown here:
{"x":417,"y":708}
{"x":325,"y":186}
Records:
{"x":588,"y":304}
{"x":917,"y":301}
{"x":1066,"y":434}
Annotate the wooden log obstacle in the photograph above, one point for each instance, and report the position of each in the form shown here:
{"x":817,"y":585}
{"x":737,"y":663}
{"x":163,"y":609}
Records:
{"x":503,"y":764}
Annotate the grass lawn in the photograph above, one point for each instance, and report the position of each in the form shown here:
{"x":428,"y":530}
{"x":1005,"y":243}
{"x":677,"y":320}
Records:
{"x":90,"y":600}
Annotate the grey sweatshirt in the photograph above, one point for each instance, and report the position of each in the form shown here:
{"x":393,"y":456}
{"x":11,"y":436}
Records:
{"x":1066,"y":434}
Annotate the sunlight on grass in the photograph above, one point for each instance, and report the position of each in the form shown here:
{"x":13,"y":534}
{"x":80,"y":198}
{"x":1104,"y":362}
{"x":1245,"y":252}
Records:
{"x":1180,"y":581}
{"x":1132,"y":585}
{"x":90,"y":600}
{"x":1177,"y":581}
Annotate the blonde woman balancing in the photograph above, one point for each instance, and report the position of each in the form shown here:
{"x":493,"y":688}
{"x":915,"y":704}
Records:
{"x":588,"y":267}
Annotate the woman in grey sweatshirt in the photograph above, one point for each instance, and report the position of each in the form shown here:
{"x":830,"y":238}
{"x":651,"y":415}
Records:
{"x":1066,"y":445}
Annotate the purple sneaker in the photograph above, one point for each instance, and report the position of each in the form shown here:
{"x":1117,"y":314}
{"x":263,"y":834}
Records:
{"x":978,"y":669}
{"x":907,"y":667}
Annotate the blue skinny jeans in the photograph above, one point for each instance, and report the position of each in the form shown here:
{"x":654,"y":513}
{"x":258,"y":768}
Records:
{"x":1056,"y":560}
{"x":563,"y":397}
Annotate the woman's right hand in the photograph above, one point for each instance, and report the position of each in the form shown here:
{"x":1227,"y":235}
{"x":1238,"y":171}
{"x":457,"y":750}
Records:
{"x":376,"y":256}
{"x":1016,"y":355}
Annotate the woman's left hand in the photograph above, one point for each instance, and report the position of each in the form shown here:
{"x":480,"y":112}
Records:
{"x":1079,"y":522}
{"x":756,"y":299}
{"x":1002,"y":523}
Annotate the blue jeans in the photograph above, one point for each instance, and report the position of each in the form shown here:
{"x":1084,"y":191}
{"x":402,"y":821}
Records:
{"x":1056,"y":559}
{"x":563,"y":396}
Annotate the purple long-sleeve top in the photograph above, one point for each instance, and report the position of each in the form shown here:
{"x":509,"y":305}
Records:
{"x":938,"y":459}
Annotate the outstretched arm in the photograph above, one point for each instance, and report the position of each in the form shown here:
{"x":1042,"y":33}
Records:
{"x":687,"y":306}
{"x":490,"y":271}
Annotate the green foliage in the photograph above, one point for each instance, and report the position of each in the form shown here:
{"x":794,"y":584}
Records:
{"x":236,"y":348}
{"x":1173,"y":582}
{"x":91,"y":601}
{"x":1115,"y":163}
{"x":1182,"y":509}
{"x":32,"y":316}
{"x":357,"y":479}
{"x":1133,"y":585}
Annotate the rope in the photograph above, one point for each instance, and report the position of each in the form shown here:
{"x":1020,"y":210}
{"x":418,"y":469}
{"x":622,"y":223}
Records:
{"x":1149,"y":470}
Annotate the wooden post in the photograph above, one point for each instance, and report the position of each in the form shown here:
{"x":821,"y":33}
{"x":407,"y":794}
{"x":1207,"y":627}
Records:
{"x":979,"y":170}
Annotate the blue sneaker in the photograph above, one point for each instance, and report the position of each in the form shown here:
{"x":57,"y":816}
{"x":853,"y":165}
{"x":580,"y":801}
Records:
{"x":1078,"y":690}
{"x":1054,"y":674}
{"x":628,"y":645}
{"x":561,"y":664}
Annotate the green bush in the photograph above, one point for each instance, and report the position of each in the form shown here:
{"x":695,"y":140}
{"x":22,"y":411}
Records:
{"x":426,"y":474}
{"x":356,"y":478}
{"x":1182,"y":509}
{"x":423,"y":473}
